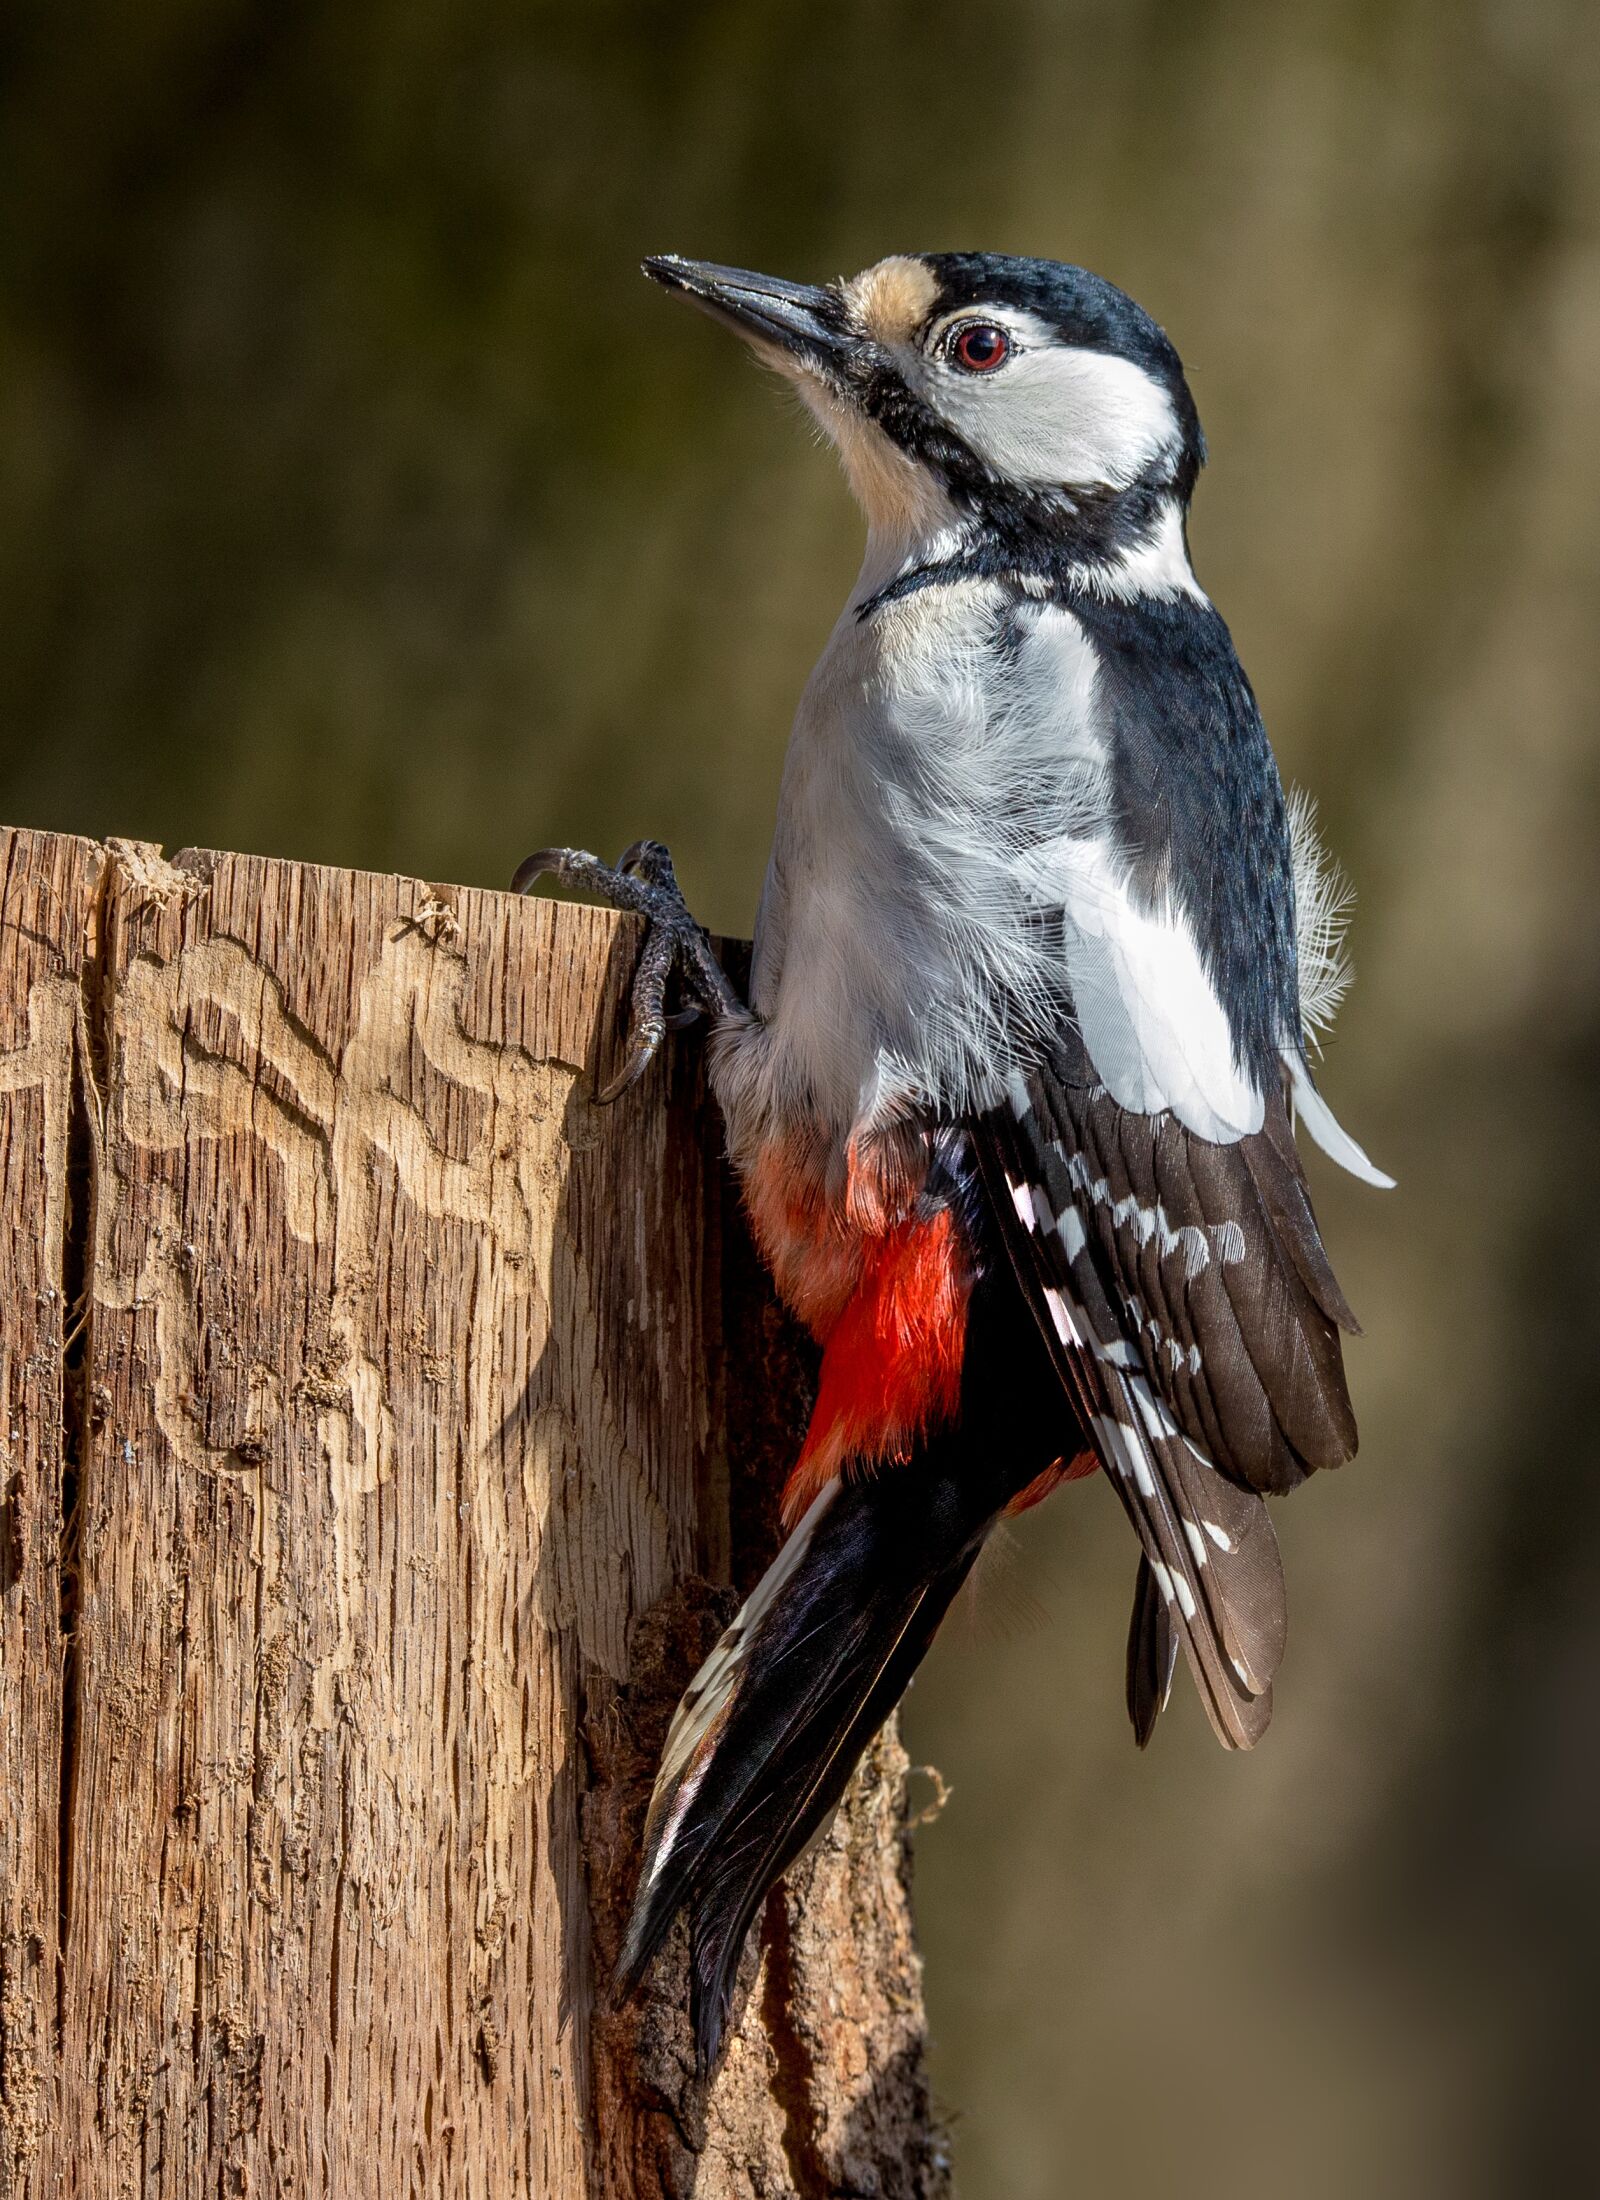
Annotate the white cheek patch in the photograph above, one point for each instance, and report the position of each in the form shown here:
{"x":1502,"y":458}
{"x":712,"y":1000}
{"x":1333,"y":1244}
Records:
{"x":1054,"y":415}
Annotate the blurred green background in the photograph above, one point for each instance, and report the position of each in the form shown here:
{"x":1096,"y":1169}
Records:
{"x":361,"y":503}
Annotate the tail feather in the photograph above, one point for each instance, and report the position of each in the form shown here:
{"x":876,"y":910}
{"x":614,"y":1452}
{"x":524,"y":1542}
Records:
{"x":800,"y":1789}
{"x":1152,"y":1654}
{"x":775,"y":1722}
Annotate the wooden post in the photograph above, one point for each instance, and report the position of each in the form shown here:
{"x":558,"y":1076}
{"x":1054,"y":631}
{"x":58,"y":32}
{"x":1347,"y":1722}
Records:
{"x":381,"y":1425}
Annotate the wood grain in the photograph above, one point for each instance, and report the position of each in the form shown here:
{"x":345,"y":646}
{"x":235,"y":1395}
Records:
{"x":48,"y":892}
{"x":354,"y":1542}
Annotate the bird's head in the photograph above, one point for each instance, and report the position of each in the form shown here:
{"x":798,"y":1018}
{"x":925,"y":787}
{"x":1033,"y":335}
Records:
{"x":1028,"y":398}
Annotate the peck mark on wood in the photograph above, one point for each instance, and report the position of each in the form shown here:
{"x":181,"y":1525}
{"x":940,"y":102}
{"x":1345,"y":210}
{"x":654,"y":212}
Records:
{"x":381,"y":1424}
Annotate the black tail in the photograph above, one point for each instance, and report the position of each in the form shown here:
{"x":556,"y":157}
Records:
{"x":773,"y":1725}
{"x":1152,"y":1654}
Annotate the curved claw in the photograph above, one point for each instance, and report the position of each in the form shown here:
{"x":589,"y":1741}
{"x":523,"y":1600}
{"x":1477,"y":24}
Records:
{"x":630,"y":890}
{"x":648,"y":1022}
{"x":533,"y":868}
{"x":643,"y":881}
{"x":650,"y":861}
{"x":641,"y":1053}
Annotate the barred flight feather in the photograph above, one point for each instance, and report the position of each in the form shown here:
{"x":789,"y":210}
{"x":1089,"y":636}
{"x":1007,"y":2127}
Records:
{"x":1184,"y":1292}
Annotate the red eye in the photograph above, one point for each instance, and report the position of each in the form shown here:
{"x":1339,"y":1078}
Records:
{"x":980,"y":347}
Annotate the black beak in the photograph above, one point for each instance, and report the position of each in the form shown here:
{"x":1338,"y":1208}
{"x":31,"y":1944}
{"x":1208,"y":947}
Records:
{"x":798,"y":318}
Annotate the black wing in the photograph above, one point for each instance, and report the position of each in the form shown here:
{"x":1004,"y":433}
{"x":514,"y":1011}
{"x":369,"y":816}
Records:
{"x":1194,"y":1321}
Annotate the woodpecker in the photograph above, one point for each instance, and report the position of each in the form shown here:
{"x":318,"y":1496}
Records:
{"x":1039,"y":960}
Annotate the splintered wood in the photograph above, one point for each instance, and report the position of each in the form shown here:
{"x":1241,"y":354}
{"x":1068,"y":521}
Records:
{"x":377,"y":1425}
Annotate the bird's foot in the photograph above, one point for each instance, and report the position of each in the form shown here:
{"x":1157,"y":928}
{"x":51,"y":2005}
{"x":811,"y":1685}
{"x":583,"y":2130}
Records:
{"x":643,"y":882}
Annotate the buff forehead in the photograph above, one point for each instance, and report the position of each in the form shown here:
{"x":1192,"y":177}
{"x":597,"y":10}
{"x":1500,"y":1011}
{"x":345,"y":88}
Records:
{"x":891,"y":301}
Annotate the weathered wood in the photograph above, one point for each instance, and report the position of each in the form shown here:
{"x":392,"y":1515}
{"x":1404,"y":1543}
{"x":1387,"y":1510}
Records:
{"x":375,"y":1409}
{"x":48,"y":892}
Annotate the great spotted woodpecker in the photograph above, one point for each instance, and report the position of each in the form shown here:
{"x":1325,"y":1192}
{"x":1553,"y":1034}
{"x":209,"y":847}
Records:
{"x":1037,"y":963}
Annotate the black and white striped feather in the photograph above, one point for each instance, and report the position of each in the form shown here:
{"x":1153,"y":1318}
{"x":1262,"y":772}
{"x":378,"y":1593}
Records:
{"x":1183,"y":1291}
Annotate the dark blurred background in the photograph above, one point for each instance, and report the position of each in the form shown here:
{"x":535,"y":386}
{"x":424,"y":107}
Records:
{"x":361,"y":503}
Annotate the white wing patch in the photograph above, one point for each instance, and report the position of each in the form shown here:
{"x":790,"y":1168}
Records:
{"x":1152,"y":1023}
